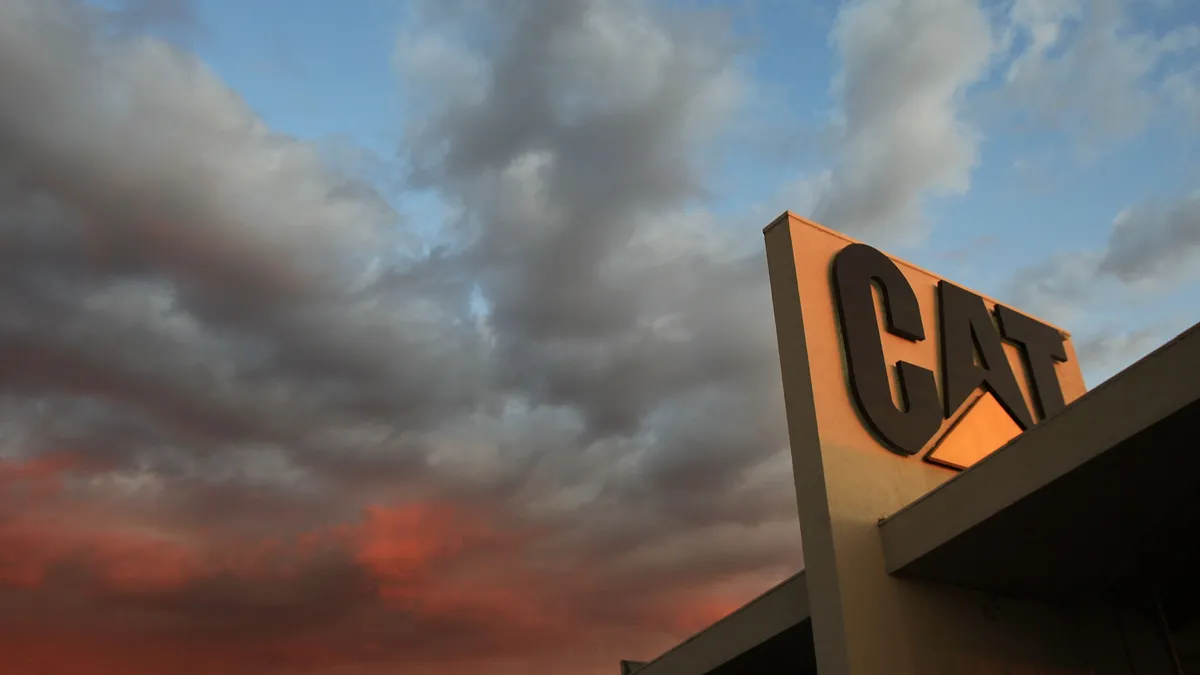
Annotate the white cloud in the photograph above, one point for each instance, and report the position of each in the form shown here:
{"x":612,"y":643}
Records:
{"x":436,"y":66}
{"x":1182,"y":91}
{"x":1081,"y":68}
{"x":905,"y":66}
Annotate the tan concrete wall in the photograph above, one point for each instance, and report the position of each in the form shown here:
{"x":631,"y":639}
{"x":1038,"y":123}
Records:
{"x":866,"y":622}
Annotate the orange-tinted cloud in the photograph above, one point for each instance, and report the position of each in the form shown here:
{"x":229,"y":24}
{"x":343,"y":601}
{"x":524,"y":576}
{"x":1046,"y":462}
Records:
{"x":437,"y":587}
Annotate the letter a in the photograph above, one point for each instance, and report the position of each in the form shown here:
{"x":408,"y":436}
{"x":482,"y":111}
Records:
{"x":967,"y":330}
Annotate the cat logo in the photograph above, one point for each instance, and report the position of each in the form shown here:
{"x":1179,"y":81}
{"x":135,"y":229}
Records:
{"x":919,"y":364}
{"x":972,"y":353}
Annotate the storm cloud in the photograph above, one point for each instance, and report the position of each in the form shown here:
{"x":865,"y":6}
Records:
{"x":254,"y":418}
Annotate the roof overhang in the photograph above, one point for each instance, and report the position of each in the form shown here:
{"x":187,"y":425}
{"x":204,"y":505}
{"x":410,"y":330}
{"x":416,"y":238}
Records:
{"x":1077,"y":503}
{"x":780,"y":613}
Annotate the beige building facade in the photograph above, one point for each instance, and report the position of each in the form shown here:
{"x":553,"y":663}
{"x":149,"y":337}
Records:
{"x":965,"y":504}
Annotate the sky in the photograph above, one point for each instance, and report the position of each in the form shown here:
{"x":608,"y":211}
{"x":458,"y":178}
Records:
{"x":433,"y":336}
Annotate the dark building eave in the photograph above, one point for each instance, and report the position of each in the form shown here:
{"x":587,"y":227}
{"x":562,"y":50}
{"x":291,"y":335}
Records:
{"x":729,"y":645}
{"x":1076,"y":504}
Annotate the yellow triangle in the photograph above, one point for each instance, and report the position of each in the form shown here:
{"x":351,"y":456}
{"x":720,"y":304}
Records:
{"x":982,"y":428}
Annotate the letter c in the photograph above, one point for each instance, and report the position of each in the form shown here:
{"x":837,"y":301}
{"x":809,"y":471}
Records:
{"x":905,"y":429}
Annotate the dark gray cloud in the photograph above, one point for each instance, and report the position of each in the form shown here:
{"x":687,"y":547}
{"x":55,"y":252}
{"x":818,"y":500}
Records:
{"x":606,"y":295}
{"x":217,"y":337}
{"x":1152,"y":248}
{"x":1155,"y":244}
{"x":1109,"y":351}
{"x":164,"y":247}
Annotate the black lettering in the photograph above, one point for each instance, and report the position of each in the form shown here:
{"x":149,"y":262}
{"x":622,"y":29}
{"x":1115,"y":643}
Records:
{"x":1042,"y":346}
{"x":967,"y":330}
{"x":905,"y":429}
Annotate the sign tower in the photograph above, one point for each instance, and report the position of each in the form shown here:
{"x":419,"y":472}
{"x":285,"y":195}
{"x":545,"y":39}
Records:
{"x":895,"y":380}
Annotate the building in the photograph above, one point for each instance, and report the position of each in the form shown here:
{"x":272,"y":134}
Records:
{"x":966,"y":506}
